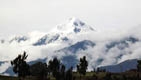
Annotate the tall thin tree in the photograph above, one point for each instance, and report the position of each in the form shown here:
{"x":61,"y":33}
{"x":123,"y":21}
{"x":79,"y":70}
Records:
{"x":82,"y":66}
{"x":54,"y":67}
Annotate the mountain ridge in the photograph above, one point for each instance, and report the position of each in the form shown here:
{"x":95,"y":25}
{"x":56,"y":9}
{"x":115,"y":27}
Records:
{"x":72,"y":40}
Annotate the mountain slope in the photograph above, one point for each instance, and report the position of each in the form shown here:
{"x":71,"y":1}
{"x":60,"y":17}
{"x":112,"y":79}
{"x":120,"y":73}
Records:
{"x":123,"y":43}
{"x":70,"y":41}
{"x":121,"y":67}
{"x":82,"y":45}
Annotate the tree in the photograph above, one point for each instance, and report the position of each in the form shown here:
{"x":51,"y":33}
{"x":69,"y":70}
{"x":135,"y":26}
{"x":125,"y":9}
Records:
{"x":69,"y":75}
{"x":54,"y":67}
{"x":82,"y":66}
{"x":62,"y":72}
{"x":138,"y":69}
{"x":107,"y":76}
{"x":20,"y":66}
{"x":139,"y":65}
{"x":40,"y":70}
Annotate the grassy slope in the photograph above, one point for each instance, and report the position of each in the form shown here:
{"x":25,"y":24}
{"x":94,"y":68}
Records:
{"x":88,"y":75}
{"x":77,"y":76}
{"x":7,"y":78}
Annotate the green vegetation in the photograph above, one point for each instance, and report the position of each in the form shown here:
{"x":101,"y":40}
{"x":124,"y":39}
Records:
{"x":88,"y":76}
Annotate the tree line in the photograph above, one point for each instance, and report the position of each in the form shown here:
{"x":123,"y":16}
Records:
{"x":56,"y":69}
{"x":43,"y":70}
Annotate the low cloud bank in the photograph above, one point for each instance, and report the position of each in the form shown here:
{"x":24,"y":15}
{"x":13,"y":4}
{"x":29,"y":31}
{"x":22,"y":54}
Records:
{"x":97,"y":56}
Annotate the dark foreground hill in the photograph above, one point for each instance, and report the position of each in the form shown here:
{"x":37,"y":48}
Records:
{"x":121,"y":67}
{"x":129,"y":75}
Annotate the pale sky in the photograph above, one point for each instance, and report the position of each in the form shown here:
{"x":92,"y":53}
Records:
{"x":23,"y":16}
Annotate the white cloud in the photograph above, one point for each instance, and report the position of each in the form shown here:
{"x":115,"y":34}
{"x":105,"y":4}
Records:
{"x":19,"y":17}
{"x":93,"y":54}
{"x":112,"y":20}
{"x":4,"y":66}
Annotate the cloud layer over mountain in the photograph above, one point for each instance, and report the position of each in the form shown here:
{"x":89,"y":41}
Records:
{"x":74,"y":39}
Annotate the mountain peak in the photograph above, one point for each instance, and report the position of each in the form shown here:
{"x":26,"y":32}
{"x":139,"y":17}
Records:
{"x":76,"y":22}
{"x":74,"y":25}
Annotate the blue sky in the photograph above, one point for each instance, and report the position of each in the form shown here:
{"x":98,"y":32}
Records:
{"x":22,"y":16}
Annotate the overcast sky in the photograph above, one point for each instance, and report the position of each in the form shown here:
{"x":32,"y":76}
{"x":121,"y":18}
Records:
{"x":22,"y":16}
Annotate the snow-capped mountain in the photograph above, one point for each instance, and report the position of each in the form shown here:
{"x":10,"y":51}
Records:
{"x":65,"y":32}
{"x":61,"y":33}
{"x":18,"y":39}
{"x":74,"y":25}
{"x":69,"y":42}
